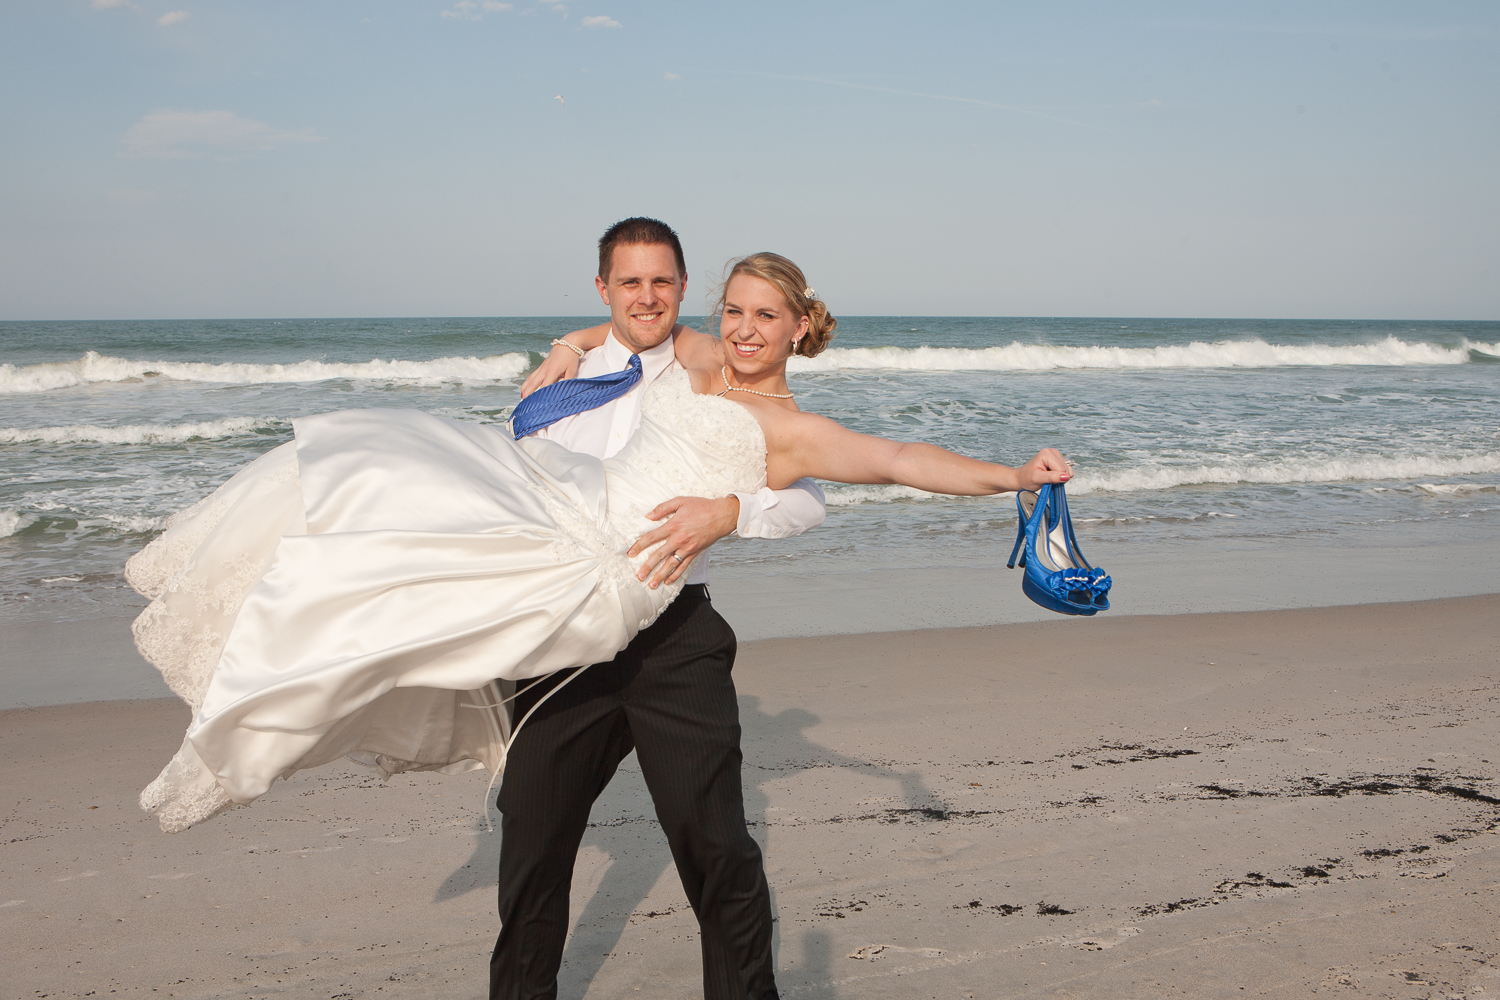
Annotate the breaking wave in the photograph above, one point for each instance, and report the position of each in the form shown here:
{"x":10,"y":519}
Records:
{"x":94,"y":367}
{"x":208,"y":430}
{"x":131,"y":524}
{"x":1165,"y":477}
{"x":12,"y":521}
{"x":1330,"y":470}
{"x":846,"y":495}
{"x":1223,"y":354}
{"x":1456,"y":489}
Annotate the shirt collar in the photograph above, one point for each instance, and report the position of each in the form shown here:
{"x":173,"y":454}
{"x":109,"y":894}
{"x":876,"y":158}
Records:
{"x":654,"y":360}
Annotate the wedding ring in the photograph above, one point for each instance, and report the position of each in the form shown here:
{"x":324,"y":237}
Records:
{"x":677,"y":557}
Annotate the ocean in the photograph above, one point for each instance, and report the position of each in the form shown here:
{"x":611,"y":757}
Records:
{"x":1201,"y":446}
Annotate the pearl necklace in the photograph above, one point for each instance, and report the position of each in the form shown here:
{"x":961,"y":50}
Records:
{"x":724,"y":374}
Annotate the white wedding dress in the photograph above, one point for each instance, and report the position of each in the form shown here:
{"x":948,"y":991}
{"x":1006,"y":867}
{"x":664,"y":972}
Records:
{"x":360,"y":591}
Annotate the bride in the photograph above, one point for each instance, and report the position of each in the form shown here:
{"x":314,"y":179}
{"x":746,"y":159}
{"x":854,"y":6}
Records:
{"x":373,"y":588}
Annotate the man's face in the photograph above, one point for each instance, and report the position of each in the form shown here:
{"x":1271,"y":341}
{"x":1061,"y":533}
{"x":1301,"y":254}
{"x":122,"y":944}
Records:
{"x":643,"y":292}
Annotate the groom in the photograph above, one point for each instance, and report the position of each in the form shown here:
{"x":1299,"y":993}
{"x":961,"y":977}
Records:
{"x":668,"y":695}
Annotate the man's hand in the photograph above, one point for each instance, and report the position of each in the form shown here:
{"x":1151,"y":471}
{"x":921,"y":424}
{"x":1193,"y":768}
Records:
{"x":556,"y":366}
{"x":696,"y":523}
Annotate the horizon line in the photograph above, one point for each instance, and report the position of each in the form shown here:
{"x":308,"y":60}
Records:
{"x":842,"y":316}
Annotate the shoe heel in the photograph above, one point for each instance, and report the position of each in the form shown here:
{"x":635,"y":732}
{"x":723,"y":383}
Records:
{"x":1024,"y":516}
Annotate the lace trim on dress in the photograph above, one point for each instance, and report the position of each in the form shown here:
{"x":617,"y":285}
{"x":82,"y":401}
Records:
{"x":198,"y":577}
{"x":185,"y":793}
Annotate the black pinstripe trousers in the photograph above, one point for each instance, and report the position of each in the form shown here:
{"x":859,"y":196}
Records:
{"x":669,"y":696}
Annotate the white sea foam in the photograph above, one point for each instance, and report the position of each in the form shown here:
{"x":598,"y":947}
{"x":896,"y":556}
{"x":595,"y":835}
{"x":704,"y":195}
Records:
{"x":1223,"y":354}
{"x":1208,"y":515}
{"x":129,"y":523}
{"x":12,"y":521}
{"x":1457,"y":489}
{"x":94,"y":367}
{"x":846,"y":495}
{"x":1330,"y":470}
{"x":1142,"y":479}
{"x":208,"y":430}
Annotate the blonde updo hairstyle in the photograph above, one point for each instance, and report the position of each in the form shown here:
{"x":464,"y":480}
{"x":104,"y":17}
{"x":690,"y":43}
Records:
{"x":790,"y":281}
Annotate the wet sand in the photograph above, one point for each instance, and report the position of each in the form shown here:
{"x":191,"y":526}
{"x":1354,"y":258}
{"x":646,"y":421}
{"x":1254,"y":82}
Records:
{"x":1276,"y":803}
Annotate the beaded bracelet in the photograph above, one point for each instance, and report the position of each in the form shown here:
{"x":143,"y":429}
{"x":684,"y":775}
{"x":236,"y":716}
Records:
{"x":572,"y":347}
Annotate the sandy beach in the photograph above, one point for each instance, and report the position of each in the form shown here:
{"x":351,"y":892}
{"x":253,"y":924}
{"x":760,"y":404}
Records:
{"x":1269,"y":803}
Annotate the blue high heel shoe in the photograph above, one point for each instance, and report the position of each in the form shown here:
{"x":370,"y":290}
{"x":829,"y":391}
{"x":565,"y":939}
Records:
{"x":1057,"y":576}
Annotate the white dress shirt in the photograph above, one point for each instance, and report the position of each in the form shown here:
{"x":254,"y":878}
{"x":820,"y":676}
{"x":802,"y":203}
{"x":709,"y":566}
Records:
{"x":603,"y":431}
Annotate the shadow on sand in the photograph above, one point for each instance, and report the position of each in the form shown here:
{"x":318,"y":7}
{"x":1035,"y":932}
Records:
{"x":775,"y":746}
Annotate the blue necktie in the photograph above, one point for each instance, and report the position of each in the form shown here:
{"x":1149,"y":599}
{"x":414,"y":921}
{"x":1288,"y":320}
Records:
{"x":551,"y":403}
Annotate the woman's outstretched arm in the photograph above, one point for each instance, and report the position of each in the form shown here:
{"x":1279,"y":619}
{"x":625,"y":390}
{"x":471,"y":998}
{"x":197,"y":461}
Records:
{"x":805,"y":444}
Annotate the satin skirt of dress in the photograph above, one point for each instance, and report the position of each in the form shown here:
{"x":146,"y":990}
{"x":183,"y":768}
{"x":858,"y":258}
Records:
{"x":365,"y":590}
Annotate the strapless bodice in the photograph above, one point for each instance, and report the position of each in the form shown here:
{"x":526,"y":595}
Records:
{"x":687,"y":445}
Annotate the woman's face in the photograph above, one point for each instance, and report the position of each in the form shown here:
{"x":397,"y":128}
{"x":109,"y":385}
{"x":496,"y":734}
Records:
{"x":758,"y":326}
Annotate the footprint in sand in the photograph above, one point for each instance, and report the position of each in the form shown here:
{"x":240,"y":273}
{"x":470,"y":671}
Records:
{"x":1103,"y":943}
{"x":873,"y":952}
{"x":939,"y":849}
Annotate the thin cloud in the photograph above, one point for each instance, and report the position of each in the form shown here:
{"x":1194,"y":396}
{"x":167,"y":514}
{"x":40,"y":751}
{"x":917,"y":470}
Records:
{"x":474,"y":10}
{"x":179,"y":135}
{"x":671,"y":76}
{"x":932,"y":97}
{"x":113,"y":4}
{"x":600,"y":22}
{"x":173,"y":17}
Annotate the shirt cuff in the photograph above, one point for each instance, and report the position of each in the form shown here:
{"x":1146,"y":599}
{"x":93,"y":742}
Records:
{"x":769,"y":514}
{"x":753,"y":506}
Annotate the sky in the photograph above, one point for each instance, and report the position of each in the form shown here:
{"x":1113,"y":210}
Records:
{"x":303,"y":158}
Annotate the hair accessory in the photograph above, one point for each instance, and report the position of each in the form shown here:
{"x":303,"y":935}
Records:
{"x":572,"y":347}
{"x":809,"y":292}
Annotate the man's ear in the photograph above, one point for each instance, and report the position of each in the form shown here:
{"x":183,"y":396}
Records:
{"x":603,"y":287}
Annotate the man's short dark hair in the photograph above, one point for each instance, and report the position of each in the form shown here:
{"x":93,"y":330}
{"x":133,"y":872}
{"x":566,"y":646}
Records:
{"x":638,"y":231}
